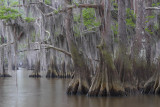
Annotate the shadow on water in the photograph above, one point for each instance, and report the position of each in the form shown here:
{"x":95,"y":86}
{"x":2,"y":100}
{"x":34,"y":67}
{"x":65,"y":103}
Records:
{"x":42,"y":92}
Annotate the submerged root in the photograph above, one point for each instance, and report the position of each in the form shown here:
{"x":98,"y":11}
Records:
{"x":5,"y":75}
{"x":102,"y":87}
{"x":125,"y":70}
{"x":152,"y":86}
{"x":107,"y":81}
{"x":51,"y":74}
{"x":65,"y":75}
{"x":36,"y":72}
{"x":35,"y":75}
{"x":96,"y":85}
{"x":73,"y":87}
{"x":130,"y":89}
{"x":62,"y":75}
{"x":117,"y":89}
{"x":78,"y":86}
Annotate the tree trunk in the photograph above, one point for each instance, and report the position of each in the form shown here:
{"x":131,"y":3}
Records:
{"x":148,"y":36}
{"x":106,"y":81}
{"x":123,"y":63}
{"x":36,"y":72}
{"x":52,"y":73}
{"x":2,"y":70}
{"x":81,"y":81}
{"x":138,"y":48}
{"x":152,"y":86}
{"x":6,"y":73}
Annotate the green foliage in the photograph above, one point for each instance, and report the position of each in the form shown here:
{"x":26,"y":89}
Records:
{"x":89,"y":18}
{"x":155,"y":26}
{"x":57,"y":31}
{"x":74,"y":2}
{"x":156,"y":4}
{"x":76,"y":30}
{"x":131,"y":18}
{"x":129,"y":22}
{"x":48,"y":2}
{"x":14,"y":3}
{"x":8,"y":13}
{"x":115,"y":5}
{"x":56,"y":11}
{"x":77,"y":22}
{"x":76,"y":18}
{"x":29,"y":19}
{"x":148,"y":30}
{"x":150,"y":17}
{"x":1,"y":2}
{"x":114,"y":28}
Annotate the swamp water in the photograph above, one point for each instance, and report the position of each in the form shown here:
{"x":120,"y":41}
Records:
{"x":22,"y":91}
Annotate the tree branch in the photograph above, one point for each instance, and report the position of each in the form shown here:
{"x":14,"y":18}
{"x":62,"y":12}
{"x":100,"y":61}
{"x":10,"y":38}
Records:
{"x":47,"y":46}
{"x":74,"y":6}
{"x":152,"y":8}
{"x":58,"y":49}
{"x":3,"y":45}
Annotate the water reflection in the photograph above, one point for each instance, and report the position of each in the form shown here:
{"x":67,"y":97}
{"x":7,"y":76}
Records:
{"x":30,"y":92}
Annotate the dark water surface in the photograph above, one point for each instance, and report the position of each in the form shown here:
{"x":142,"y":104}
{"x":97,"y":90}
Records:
{"x":22,"y":91}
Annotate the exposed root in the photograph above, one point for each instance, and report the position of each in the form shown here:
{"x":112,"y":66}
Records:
{"x":68,"y":75}
{"x":62,"y":75}
{"x":73,"y":86}
{"x":81,"y":81}
{"x":51,"y":74}
{"x":5,"y":75}
{"x":35,"y":75}
{"x":36,"y":72}
{"x":78,"y":86}
{"x":101,"y":87}
{"x":125,"y":70}
{"x":152,"y":86}
{"x":117,"y":89}
{"x":65,"y":75}
{"x":96,"y":85}
{"x":106,"y":81}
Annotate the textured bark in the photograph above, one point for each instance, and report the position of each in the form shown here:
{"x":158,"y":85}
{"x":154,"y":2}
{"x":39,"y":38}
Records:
{"x":138,"y":52}
{"x":6,"y":73}
{"x":2,"y":57}
{"x":63,"y":72}
{"x":81,"y":80}
{"x":123,"y":63}
{"x":148,"y":36}
{"x":3,"y":73}
{"x":107,"y":80}
{"x":52,"y":73}
{"x":36,"y":72}
{"x":138,"y":43}
{"x":152,"y":86}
